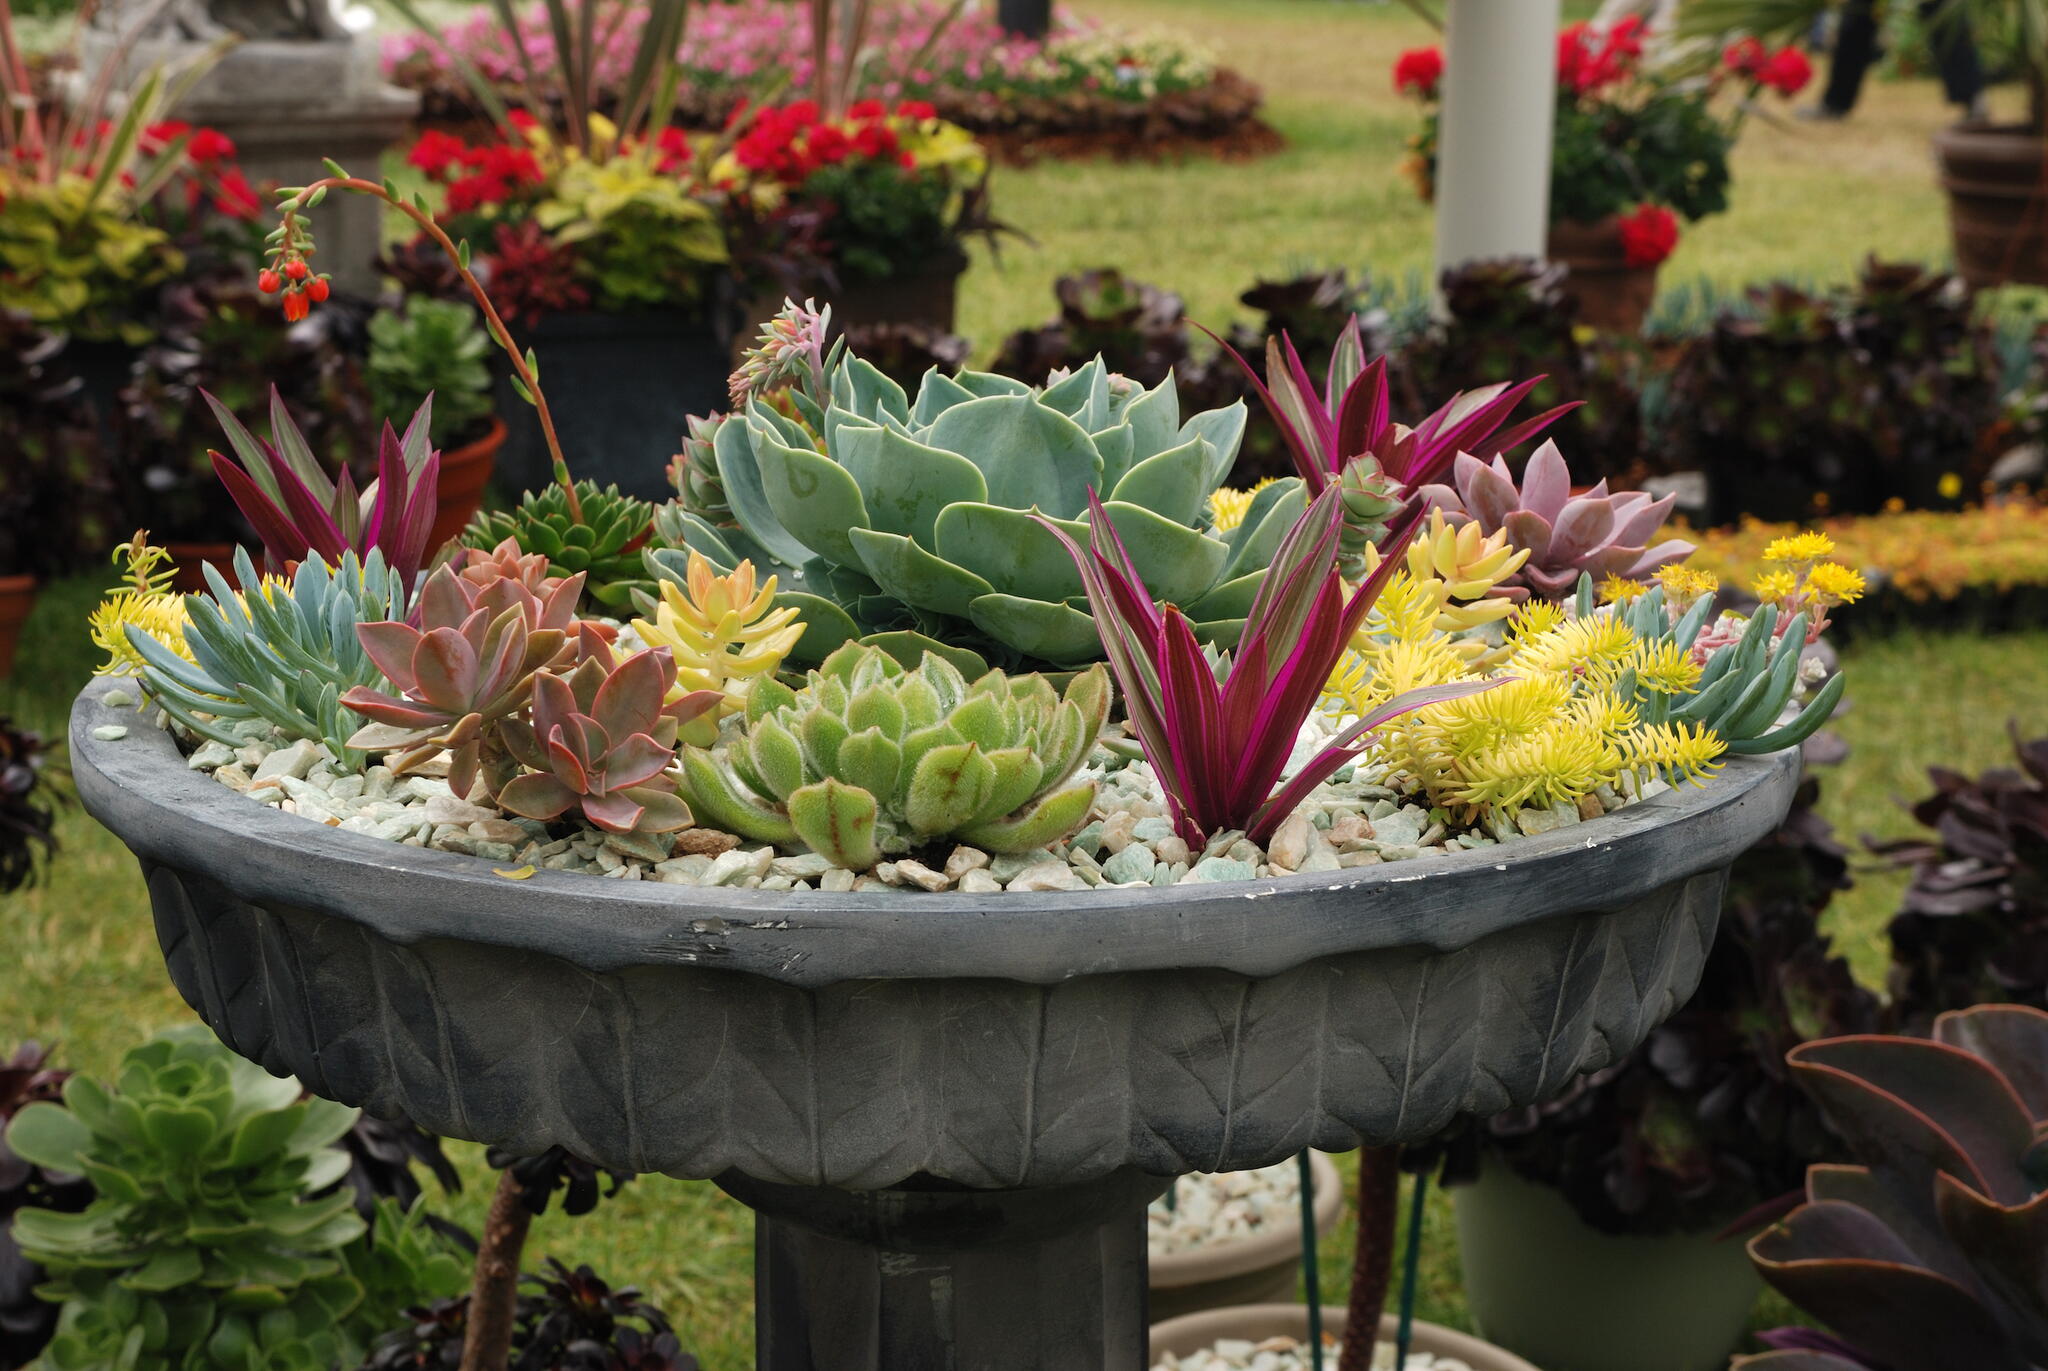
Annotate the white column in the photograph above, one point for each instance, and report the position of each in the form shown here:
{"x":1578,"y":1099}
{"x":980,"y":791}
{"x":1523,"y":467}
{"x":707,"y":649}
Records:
{"x":1493,"y":148}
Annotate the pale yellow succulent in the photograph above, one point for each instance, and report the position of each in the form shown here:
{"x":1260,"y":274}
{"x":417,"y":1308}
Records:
{"x":724,"y":632}
{"x":1445,"y":587}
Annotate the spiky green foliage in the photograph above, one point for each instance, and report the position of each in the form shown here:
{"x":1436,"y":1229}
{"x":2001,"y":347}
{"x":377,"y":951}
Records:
{"x":218,"y":1237}
{"x":285,"y":651}
{"x":1745,"y":686}
{"x":883,"y":514}
{"x":872,"y":759}
{"x":605,"y":544}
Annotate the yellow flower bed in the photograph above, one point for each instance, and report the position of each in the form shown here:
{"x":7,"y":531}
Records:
{"x":1923,"y":555}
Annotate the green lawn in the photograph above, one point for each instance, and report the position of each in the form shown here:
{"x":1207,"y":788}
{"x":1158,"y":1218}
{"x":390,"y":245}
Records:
{"x":83,"y":966}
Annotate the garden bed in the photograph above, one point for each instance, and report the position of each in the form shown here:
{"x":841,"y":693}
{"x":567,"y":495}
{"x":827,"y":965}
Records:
{"x":1085,"y":91}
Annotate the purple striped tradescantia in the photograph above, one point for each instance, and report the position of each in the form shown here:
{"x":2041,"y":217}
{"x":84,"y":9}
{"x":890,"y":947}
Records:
{"x":1353,"y":416}
{"x":298,"y":511}
{"x":1219,"y":736}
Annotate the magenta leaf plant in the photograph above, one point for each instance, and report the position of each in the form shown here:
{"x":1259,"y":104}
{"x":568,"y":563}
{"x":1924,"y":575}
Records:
{"x":1219,"y":734}
{"x":297,"y":510}
{"x":1352,"y":416}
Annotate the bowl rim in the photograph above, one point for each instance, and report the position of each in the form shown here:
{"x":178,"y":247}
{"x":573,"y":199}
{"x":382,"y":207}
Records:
{"x":168,"y":814}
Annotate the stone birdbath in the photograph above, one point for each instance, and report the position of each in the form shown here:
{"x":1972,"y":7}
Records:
{"x":948,"y":1112}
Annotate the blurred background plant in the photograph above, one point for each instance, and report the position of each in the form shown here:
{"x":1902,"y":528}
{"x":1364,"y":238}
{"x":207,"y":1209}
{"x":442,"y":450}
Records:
{"x":432,"y":348}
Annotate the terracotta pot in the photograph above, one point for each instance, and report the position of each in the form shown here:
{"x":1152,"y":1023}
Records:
{"x":1609,"y":292}
{"x":1256,"y":1322}
{"x":17,"y":602}
{"x":1996,"y":176}
{"x":189,"y":558}
{"x":1571,"y":1298}
{"x":1252,"y":1270}
{"x":465,"y":471}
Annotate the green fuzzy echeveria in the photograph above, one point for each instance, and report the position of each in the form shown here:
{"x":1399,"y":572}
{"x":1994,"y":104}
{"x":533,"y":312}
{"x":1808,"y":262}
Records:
{"x":881,"y":514}
{"x":219,"y":1237}
{"x":871,"y":759}
{"x":605,"y":544}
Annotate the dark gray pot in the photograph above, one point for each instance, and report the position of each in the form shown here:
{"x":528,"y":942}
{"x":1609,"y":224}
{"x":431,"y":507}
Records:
{"x":933,"y":1048}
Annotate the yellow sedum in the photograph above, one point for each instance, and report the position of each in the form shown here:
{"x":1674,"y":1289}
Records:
{"x":724,"y":632}
{"x":1227,"y":507}
{"x":146,"y":601}
{"x":1564,"y":722}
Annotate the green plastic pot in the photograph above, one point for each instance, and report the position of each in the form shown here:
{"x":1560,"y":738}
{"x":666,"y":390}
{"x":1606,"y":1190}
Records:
{"x":1543,"y":1284}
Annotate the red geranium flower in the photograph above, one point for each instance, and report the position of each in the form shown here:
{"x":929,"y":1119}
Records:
{"x":1418,"y":71}
{"x":210,"y":145}
{"x":1787,"y":72}
{"x":866,"y":109}
{"x":436,"y":152}
{"x":1745,"y":56}
{"x":235,"y":197}
{"x":674,"y":146}
{"x":917,"y":109}
{"x":1648,"y":235}
{"x":156,"y":137}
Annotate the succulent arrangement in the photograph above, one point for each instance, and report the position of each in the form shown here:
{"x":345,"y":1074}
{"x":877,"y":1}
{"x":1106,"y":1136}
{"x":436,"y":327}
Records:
{"x":960,"y":574}
{"x":1924,"y":1254}
{"x":216,"y":1236}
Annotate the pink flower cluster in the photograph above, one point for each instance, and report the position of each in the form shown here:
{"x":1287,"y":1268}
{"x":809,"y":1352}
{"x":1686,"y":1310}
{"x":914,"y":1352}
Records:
{"x":739,"y":45}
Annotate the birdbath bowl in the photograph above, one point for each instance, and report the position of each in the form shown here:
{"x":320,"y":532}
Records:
{"x":947,"y":1111}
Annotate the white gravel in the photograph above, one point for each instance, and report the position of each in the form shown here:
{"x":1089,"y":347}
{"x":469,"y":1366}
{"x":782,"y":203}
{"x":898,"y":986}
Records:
{"x":1224,"y":1207}
{"x":1291,"y":1354}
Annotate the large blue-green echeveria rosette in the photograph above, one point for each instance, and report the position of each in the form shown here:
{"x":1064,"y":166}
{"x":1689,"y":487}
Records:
{"x":912,"y":525}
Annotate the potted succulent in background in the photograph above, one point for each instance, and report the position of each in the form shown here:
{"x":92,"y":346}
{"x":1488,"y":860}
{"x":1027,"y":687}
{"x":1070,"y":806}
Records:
{"x":436,"y":349}
{"x":1926,"y":1254}
{"x":603,"y":246}
{"x":1848,"y":401}
{"x":1278,"y":1333}
{"x":1996,"y":175}
{"x":1638,"y":145}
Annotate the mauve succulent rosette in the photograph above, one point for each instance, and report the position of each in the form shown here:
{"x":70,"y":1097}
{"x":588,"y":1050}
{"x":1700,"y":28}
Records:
{"x":1567,"y":534}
